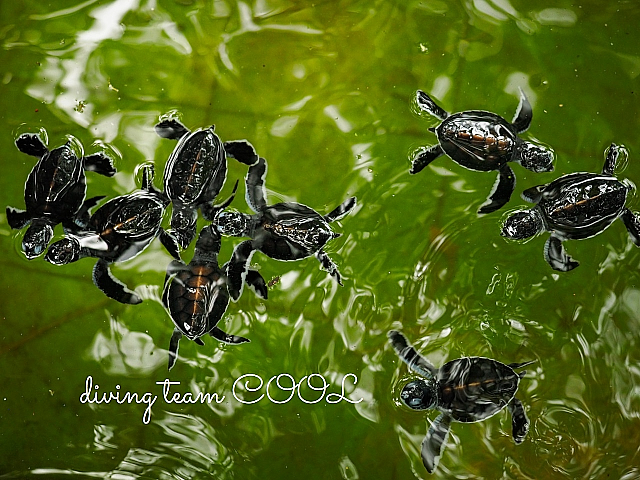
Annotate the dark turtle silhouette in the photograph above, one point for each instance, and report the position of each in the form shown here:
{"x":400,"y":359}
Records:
{"x":464,"y":390}
{"x":55,"y":190}
{"x":484,"y":141}
{"x":574,"y":206}
{"x":196,"y":172}
{"x":118,"y":231}
{"x":284,"y":231}
{"x":196,"y":295}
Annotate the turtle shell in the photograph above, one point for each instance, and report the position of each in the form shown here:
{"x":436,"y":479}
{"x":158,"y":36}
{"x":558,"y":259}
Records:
{"x":478,"y":140}
{"x":474,"y":388}
{"x":581,"y":205}
{"x":127,"y":224}
{"x":291,"y":231}
{"x":197,"y":168}
{"x":56,"y":186}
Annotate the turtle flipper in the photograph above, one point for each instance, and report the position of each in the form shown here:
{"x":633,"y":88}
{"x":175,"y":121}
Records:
{"x":426,"y":104}
{"x":424,"y":157}
{"x":612,"y":159}
{"x":172,"y":270}
{"x":515,"y":366}
{"x":173,"y":347}
{"x":256,"y":192}
{"x":242,"y":151}
{"x":533,"y":194}
{"x":237,"y":268}
{"x":171,"y":129}
{"x":112,"y":287}
{"x":209,"y":211}
{"x":100,"y":163}
{"x":632,"y":222}
{"x":31,"y":144}
{"x":501,"y":192}
{"x":519,"y":420}
{"x":433,"y":443}
{"x":341,"y":210}
{"x":257,"y":283}
{"x":328,"y":265}
{"x":410,"y":356}
{"x":227,"y":338}
{"x":557,"y":257}
{"x":17,"y":219}
{"x":170,"y":244}
{"x":199,"y":341}
{"x":81,"y":219}
{"x":524,"y":114}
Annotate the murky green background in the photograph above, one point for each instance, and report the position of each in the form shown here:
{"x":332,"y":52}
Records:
{"x":323,"y":90}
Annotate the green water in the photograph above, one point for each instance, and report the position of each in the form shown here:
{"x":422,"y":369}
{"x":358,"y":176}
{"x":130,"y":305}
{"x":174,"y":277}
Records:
{"x":323,"y":91}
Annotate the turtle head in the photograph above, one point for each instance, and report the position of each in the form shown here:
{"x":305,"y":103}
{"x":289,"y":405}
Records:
{"x":536,"y":157}
{"x":233,"y":224}
{"x":36,"y":239}
{"x":63,"y":251}
{"x":183,"y":225}
{"x":419,"y":395}
{"x":522,"y":224}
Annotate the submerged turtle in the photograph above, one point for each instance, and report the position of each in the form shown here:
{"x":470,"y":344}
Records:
{"x":464,"y":390}
{"x":484,"y":141}
{"x":284,"y":231}
{"x":574,"y":206}
{"x":119,"y":230}
{"x":196,"y":295}
{"x":196,"y":172}
{"x":55,"y":190}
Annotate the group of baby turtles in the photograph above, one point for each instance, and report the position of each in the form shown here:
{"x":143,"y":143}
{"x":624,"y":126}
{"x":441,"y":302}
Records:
{"x":196,"y":295}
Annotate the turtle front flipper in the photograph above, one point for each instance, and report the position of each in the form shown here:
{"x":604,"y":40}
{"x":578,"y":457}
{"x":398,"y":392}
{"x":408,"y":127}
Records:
{"x":328,"y":265}
{"x":533,"y":194}
{"x":556,"y":256}
{"x":174,"y":343}
{"x":341,"y":210}
{"x":100,"y":163}
{"x":433,"y":443}
{"x":31,"y":144}
{"x":242,"y":151}
{"x":256,"y":192}
{"x":426,"y":104}
{"x":524,"y":114}
{"x":171,"y":129}
{"x":17,"y":219}
{"x":112,"y":287}
{"x":424,"y":157}
{"x":410,"y":356}
{"x":237,"y":268}
{"x":501,"y":192}
{"x":519,"y":421}
{"x":612,"y":159}
{"x":632,"y":222}
{"x":170,"y":244}
{"x":257,"y":284}
{"x":226,"y":337}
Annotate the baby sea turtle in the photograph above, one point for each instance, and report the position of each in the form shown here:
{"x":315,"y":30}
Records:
{"x":574,"y":206}
{"x":464,"y":390}
{"x":484,"y":141}
{"x":55,"y":190}
{"x":196,"y":295}
{"x":284,"y":231}
{"x":196,"y":172}
{"x":119,"y":230}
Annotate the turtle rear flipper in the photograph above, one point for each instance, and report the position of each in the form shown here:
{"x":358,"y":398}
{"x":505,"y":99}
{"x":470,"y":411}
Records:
{"x":81,"y":219}
{"x":171,"y":129}
{"x":533,"y":194}
{"x":557,"y":257}
{"x":328,"y":265}
{"x":410,"y":356}
{"x":226,"y":337}
{"x":424,"y":157}
{"x":17,"y":219}
{"x":501,"y":192}
{"x":257,"y":284}
{"x":256,"y":192}
{"x":612,"y":159}
{"x":242,"y":151}
{"x":341,"y":210}
{"x":112,"y":287}
{"x":524,"y":114}
{"x":433,"y":443}
{"x":632,"y":222}
{"x":519,"y":421}
{"x":31,"y":144}
{"x":209,"y":212}
{"x":174,"y":343}
{"x":426,"y":104}
{"x":100,"y":163}
{"x":237,"y":269}
{"x":170,"y":244}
